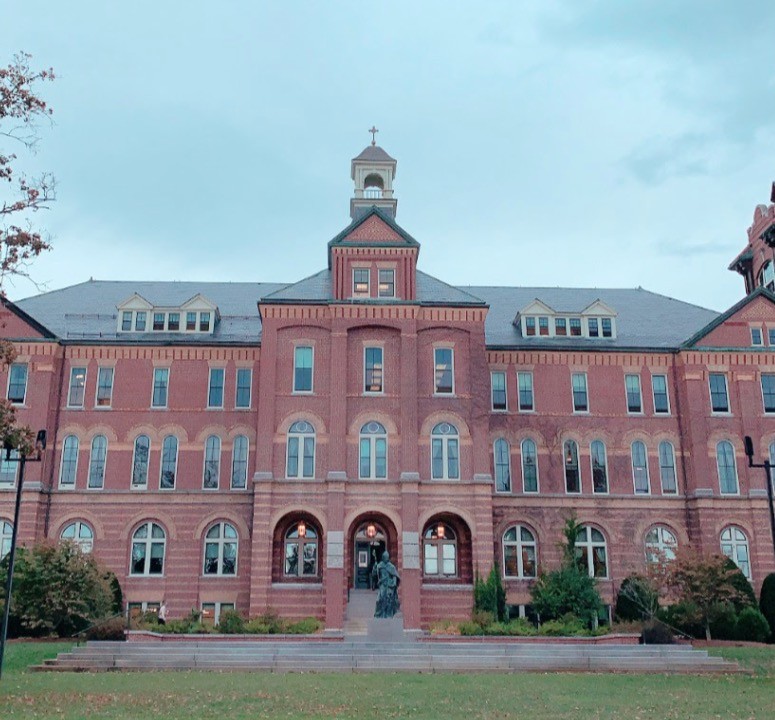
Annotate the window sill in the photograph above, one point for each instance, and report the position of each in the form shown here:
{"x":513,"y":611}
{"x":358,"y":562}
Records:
{"x":527,"y":411}
{"x":296,"y":585}
{"x":719,"y":413}
{"x":445,"y":585}
{"x":444,"y":394}
{"x":102,"y":407}
{"x":500,"y":411}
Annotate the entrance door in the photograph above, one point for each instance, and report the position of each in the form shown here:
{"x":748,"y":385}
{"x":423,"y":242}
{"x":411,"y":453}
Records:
{"x":367,"y":555}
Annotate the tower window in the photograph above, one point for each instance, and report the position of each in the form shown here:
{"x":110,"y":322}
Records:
{"x":387,"y":283}
{"x":361,"y":281}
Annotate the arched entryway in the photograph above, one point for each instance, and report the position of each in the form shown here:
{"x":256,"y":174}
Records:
{"x":370,"y":535}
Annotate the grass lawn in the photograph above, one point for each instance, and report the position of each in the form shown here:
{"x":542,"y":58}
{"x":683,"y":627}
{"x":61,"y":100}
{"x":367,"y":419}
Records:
{"x":233,"y":695}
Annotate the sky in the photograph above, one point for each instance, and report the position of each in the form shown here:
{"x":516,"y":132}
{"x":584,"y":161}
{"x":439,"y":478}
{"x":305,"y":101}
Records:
{"x":563,"y":142}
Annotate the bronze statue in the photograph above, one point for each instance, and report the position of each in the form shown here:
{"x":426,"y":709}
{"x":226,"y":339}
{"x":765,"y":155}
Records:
{"x":387,"y":582}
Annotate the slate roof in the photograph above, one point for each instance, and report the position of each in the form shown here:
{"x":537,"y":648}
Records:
{"x":372,"y":153}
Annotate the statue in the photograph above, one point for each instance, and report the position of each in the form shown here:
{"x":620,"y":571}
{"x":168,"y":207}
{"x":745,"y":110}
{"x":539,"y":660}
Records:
{"x":388,"y":581}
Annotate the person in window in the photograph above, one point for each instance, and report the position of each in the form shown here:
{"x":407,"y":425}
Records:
{"x":162,"y":614}
{"x":387,"y":582}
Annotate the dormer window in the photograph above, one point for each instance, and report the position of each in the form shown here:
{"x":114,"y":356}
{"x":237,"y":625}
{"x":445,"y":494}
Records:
{"x":594,"y":321}
{"x":191,"y":321}
{"x":543,"y":326}
{"x":140,"y":321}
{"x":593,"y":327}
{"x":530,"y":326}
{"x":204,"y":322}
{"x":361,"y":282}
{"x":387,"y":283}
{"x":607,"y":327}
{"x":126,"y":320}
{"x":560,"y":327}
{"x":173,"y":322}
{"x":158,"y":322}
{"x":138,"y":315}
{"x":575,"y":327}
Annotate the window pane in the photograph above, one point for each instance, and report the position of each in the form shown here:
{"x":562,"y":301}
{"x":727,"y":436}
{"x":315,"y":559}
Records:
{"x":293,"y":457}
{"x":453,"y":468}
{"x":387,"y":283}
{"x":571,"y":459}
{"x":380,"y":445}
{"x":640,"y":468}
{"x":529,"y":466}
{"x":77,"y":386}
{"x":579,"y":381}
{"x":443,"y":370}
{"x":525,"y":390}
{"x":718,"y":392}
{"x":169,"y":462}
{"x":768,"y":393}
{"x":502,"y":474}
{"x":212,"y":469}
{"x":69,"y":461}
{"x":244,"y":377}
{"x":239,"y":463}
{"x":372,"y":381}
{"x":17,"y":383}
{"x":667,"y":468}
{"x":431,"y":559}
{"x":140,"y":321}
{"x":310,"y":558}
{"x":9,"y":468}
{"x":140,"y":461}
{"x":632,"y":383}
{"x":599,"y":469}
{"x":309,"y":457}
{"x":215,"y":394}
{"x":104,"y":386}
{"x":302,"y":376}
{"x":365,"y":470}
{"x":99,"y":449}
{"x":727,"y":472}
{"x":659,"y":385}
{"x":126,"y":320}
{"x":437,"y":458}
{"x":160,"y":380}
{"x":498,"y":380}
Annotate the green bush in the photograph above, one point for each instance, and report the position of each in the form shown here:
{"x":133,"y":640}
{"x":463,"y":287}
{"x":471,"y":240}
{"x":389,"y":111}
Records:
{"x":752,"y":626}
{"x":637,"y":599}
{"x":231,"y":623}
{"x":517,"y":627}
{"x":469,"y":627}
{"x":483,"y":618}
{"x":567,"y":590}
{"x":682,"y":616}
{"x":747,"y":597}
{"x":656,"y":633}
{"x":307,"y":626}
{"x":567,"y":625}
{"x":489,"y":595}
{"x":112,"y":629}
{"x":723,"y":622}
{"x":767,"y":603}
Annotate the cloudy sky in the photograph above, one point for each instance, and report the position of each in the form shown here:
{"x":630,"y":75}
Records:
{"x":560,"y":142}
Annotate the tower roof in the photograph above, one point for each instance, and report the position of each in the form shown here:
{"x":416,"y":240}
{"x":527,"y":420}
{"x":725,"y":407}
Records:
{"x":373,"y":153}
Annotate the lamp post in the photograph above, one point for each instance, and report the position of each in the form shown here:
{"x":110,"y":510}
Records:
{"x":22,"y":459}
{"x":768,"y":470}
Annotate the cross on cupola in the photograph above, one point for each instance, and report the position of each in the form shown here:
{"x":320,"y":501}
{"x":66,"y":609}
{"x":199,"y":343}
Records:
{"x":373,"y":132}
{"x":372,"y":172}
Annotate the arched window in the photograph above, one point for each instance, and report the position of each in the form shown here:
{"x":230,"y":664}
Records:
{"x":9,"y":469}
{"x":221,"y":550}
{"x":80,"y":534}
{"x":661,"y":544}
{"x":6,"y":532}
{"x":301,"y":451}
{"x":502,"y":458}
{"x":301,"y":551}
{"x":734,"y":544}
{"x":640,"y":468}
{"x":572,"y":474}
{"x":727,"y":469}
{"x":69,"y":461}
{"x":148,"y":545}
{"x":373,"y":451}
{"x":519,"y":553}
{"x":99,"y":453}
{"x":445,"y":455}
{"x":140,"y":462}
{"x":212,"y":467}
{"x":591,"y":552}
{"x":667,"y":468}
{"x":599,"y":467}
{"x":440,"y":551}
{"x":373,"y":186}
{"x":529,"y":466}
{"x":239,"y":463}
{"x":169,"y":463}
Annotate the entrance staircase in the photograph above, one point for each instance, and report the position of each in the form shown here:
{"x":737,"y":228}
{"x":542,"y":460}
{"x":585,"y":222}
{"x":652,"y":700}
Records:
{"x":360,"y":625}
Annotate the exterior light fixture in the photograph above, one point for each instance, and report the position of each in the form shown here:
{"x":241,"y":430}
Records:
{"x":371,"y":530}
{"x":440,"y":531}
{"x":301,"y":529}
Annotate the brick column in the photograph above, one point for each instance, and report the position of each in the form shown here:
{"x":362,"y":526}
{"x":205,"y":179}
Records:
{"x":409,"y":429}
{"x":334,"y":579}
{"x":261,"y":548}
{"x":411,"y":575}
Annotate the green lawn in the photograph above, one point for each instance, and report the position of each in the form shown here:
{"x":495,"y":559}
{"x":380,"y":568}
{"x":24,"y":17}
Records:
{"x":232,"y":695}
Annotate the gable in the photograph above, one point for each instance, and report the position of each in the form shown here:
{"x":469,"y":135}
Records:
{"x":135,"y":302}
{"x":373,"y":229}
{"x":536,"y":308}
{"x":733,"y":328}
{"x":17,"y":324}
{"x":599,"y":308}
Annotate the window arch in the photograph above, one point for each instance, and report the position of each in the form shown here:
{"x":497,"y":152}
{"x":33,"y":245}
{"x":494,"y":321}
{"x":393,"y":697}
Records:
{"x":372,"y":452}
{"x":149,"y":543}
{"x":727,"y":468}
{"x":239,"y":463}
{"x":667,"y":468}
{"x":529,"y":466}
{"x":572,"y":471}
{"x":301,"y":551}
{"x":97,"y":458}
{"x":734,"y":544}
{"x":502,"y":461}
{"x":221,"y":543}
{"x":80,"y":534}
{"x":140,"y":462}
{"x":445,"y":453}
{"x":661,"y":544}
{"x":300,"y":462}
{"x":519,"y":553}
{"x":599,"y":466}
{"x":212,"y":468}
{"x":169,"y":463}
{"x":6,"y":533}
{"x":440,"y":551}
{"x":69,"y":466}
{"x":640,"y":468}
{"x":591,"y":551}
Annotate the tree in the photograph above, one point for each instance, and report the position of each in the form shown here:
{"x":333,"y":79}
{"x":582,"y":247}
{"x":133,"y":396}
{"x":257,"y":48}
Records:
{"x":637,"y":599}
{"x":767,"y":602}
{"x":490,"y":595}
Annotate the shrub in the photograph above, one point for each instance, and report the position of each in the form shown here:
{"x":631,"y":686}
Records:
{"x":656,"y":633}
{"x":468,"y":628}
{"x":767,"y":602}
{"x":444,"y":627}
{"x":489,"y":595}
{"x":637,"y":599}
{"x":682,"y":616}
{"x":567,"y":625}
{"x":723,"y":622}
{"x":231,"y":623}
{"x":517,"y":627}
{"x":483,"y":618}
{"x":746,"y":596}
{"x":752,"y":625}
{"x":567,"y":590}
{"x":307,"y":626}
{"x":112,"y":629}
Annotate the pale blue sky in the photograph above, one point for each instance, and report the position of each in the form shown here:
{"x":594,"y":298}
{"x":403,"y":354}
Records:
{"x":561,"y":142}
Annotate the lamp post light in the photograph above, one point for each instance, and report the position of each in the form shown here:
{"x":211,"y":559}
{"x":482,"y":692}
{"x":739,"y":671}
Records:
{"x":768,"y":470}
{"x":22,"y":459}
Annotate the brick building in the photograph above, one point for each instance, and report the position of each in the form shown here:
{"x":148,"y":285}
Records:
{"x":257,"y":445}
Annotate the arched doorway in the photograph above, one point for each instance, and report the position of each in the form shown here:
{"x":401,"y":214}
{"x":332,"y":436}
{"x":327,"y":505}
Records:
{"x":371,"y":535}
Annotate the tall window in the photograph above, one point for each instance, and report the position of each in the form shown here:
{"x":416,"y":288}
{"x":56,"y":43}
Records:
{"x":719,"y":398}
{"x":148,"y":545}
{"x":6,"y":533}
{"x":302,"y":369}
{"x":667,"y":468}
{"x":140,"y":462}
{"x":519,"y":553}
{"x":571,"y":460}
{"x":661,"y":544}
{"x":169,"y":463}
{"x":661,"y":398}
{"x":580,"y":400}
{"x":301,"y":551}
{"x":239,"y":463}
{"x":525,"y":383}
{"x":529,"y":466}
{"x":445,"y":456}
{"x":387,"y":283}
{"x":440,"y":551}
{"x":215,"y":389}
{"x":727,"y":469}
{"x":17,"y":383}
{"x":97,"y":458}
{"x":373,"y":451}
{"x":69,"y":467}
{"x":634,"y":400}
{"x":244,"y":379}
{"x":498,"y":388}
{"x":301,"y":451}
{"x":599,"y":467}
{"x":640,"y":468}
{"x":104,"y":397}
{"x":734,"y":544}
{"x":212,"y":467}
{"x":77,"y":387}
{"x":161,"y":377}
{"x":444,"y":371}
{"x":80,"y":534}
{"x":768,"y":393}
{"x":9,"y":469}
{"x":373,"y":369}
{"x":502,"y":460}
{"x":361,"y":281}
{"x":221,"y":550}
{"x":591,"y":553}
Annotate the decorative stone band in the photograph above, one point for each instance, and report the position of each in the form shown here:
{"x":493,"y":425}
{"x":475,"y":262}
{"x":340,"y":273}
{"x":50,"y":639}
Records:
{"x":335,"y":549}
{"x":411,"y":543}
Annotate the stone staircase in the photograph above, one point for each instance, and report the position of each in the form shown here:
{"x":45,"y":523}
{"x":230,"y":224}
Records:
{"x":360,"y":625}
{"x":365,"y":655}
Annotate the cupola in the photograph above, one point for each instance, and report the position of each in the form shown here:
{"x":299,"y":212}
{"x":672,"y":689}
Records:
{"x":372,"y":172}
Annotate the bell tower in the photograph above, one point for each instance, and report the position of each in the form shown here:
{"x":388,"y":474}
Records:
{"x":372,"y":172}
